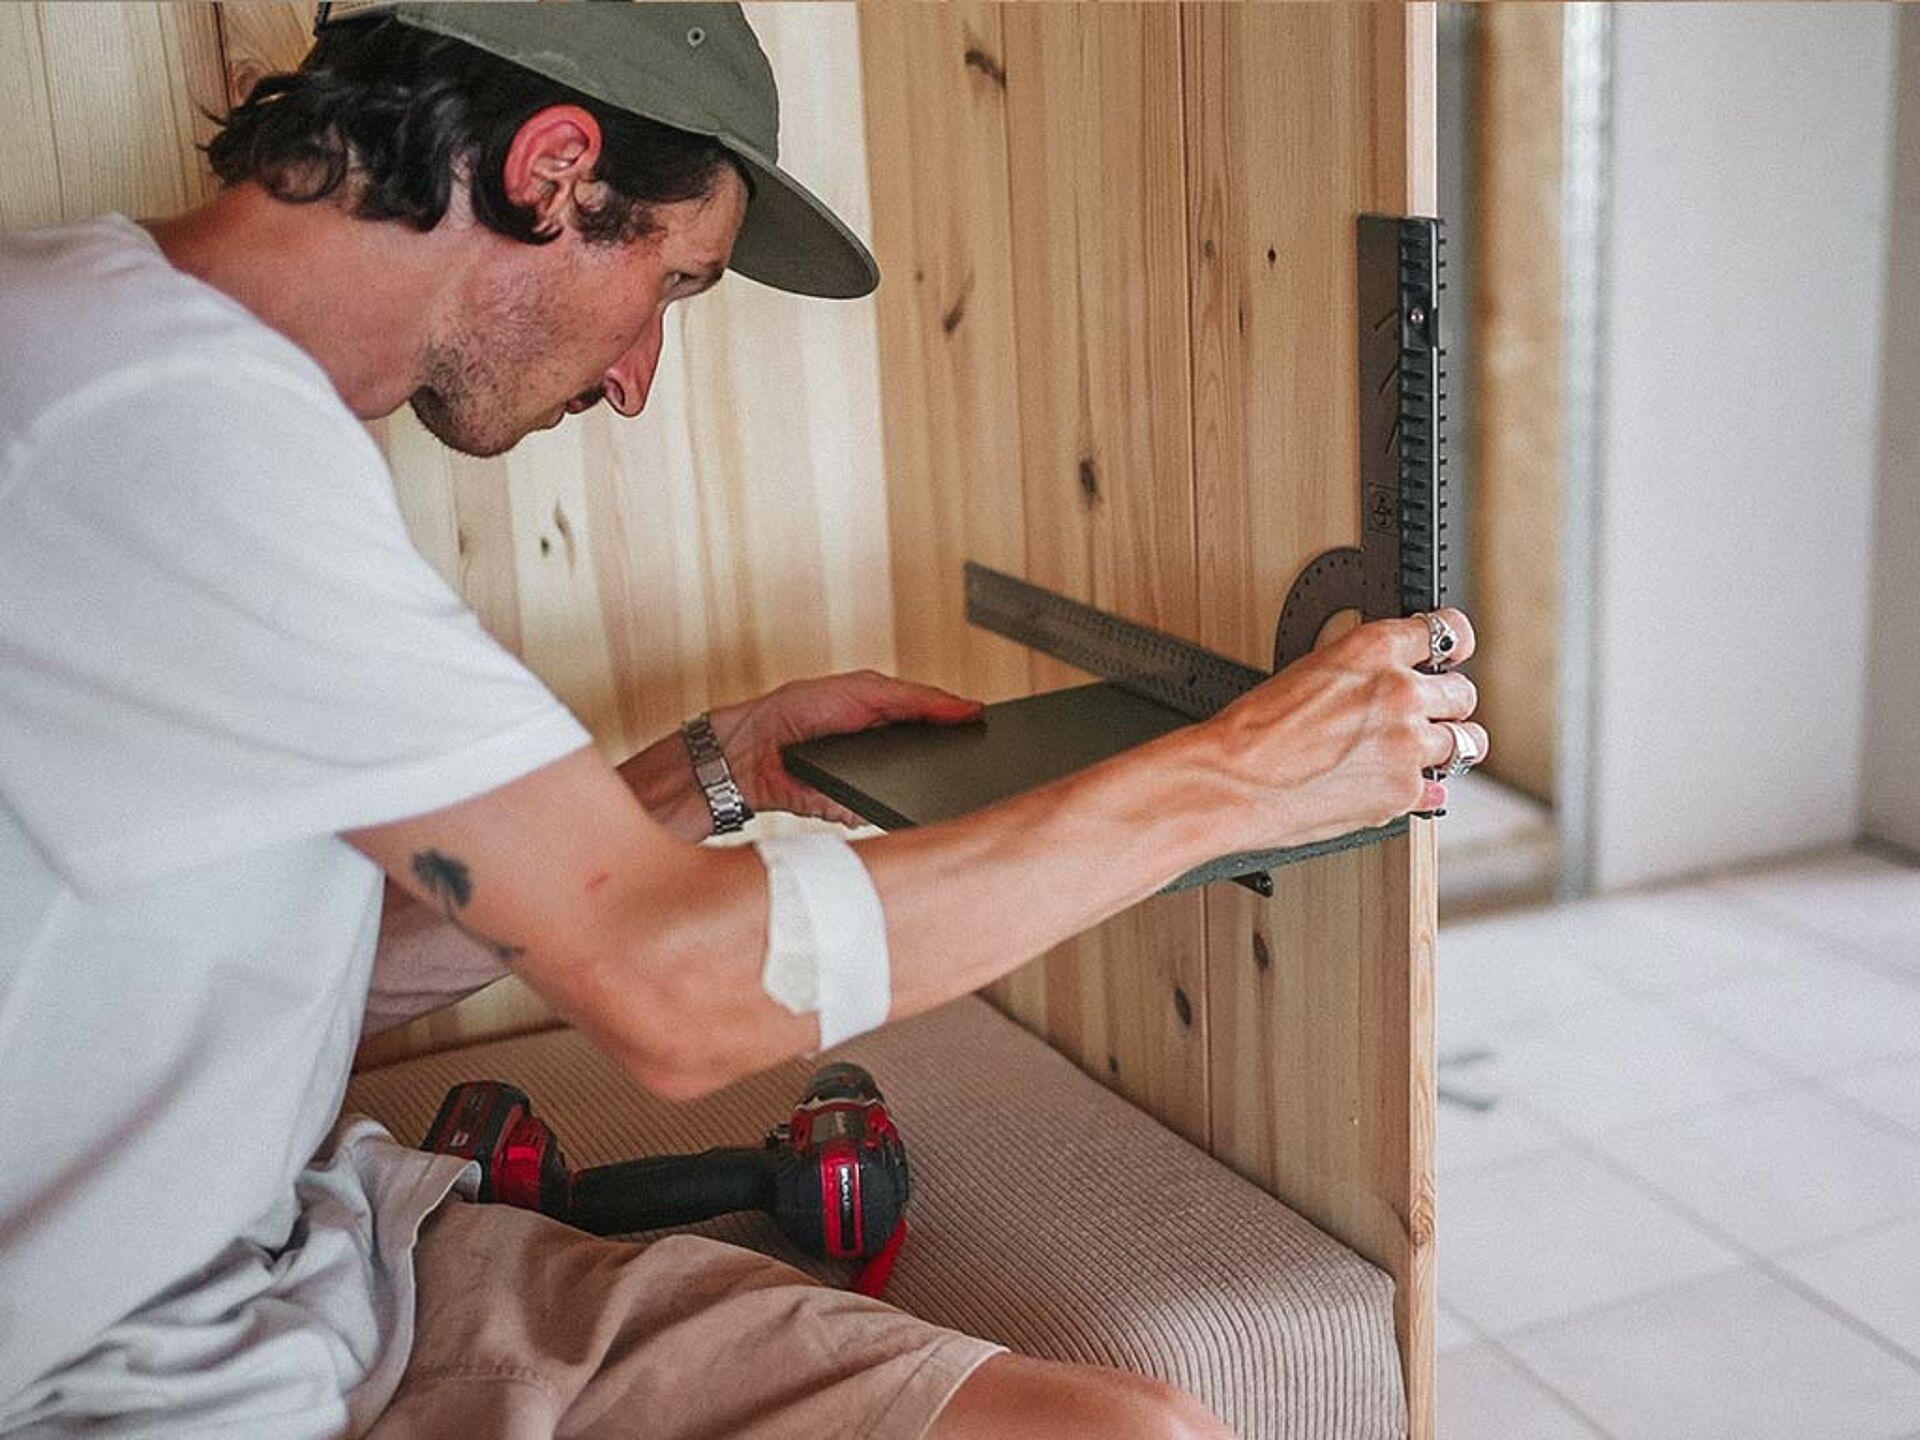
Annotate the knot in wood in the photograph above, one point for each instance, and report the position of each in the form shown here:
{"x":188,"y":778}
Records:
{"x":980,"y":60}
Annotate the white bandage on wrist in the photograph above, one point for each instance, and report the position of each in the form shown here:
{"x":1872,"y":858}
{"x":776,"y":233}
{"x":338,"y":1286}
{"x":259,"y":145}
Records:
{"x":826,"y":935}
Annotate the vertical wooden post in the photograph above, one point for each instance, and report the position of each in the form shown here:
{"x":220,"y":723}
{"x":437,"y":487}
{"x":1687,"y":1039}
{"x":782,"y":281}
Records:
{"x":1299,"y":119}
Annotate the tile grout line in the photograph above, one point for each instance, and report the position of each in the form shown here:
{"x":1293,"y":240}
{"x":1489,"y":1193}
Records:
{"x":1793,"y":1079}
{"x":1851,"y":952}
{"x":1486,"y":1338}
{"x":1753,"y":1259}
{"x":1835,"y":946}
{"x":1600,"y":1307}
{"x":1848,"y":1237}
{"x":1784,"y":1076}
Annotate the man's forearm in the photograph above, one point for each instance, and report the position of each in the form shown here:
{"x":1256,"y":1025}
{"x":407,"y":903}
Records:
{"x":969,"y":901}
{"x":966,"y":902}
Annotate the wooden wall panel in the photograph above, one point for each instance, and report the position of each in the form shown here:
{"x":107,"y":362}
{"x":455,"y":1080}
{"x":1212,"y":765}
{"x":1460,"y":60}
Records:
{"x":1300,"y":118}
{"x":1035,"y":150}
{"x":1181,"y":362}
{"x":31,"y":192}
{"x":935,"y":80}
{"x":1100,"y":282}
{"x":101,"y":106}
{"x":1515,"y":532}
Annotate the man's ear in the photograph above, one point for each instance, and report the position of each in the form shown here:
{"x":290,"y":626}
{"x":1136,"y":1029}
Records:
{"x":553,"y":155}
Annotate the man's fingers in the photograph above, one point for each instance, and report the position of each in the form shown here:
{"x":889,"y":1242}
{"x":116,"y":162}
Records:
{"x":1449,"y":696}
{"x":908,"y":700}
{"x":1412,"y":642}
{"x":833,"y":810}
{"x":1437,"y":750}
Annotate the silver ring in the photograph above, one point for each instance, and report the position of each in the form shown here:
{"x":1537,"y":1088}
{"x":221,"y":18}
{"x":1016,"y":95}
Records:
{"x":1466,"y":751}
{"x":1442,"y":641}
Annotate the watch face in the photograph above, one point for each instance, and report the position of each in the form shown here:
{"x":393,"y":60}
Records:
{"x":712,"y":772}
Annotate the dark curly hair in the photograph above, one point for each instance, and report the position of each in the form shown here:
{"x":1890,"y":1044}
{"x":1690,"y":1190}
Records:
{"x":396,"y":115}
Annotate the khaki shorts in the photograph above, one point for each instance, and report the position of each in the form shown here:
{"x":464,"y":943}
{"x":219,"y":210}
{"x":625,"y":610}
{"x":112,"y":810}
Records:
{"x":529,"y":1329}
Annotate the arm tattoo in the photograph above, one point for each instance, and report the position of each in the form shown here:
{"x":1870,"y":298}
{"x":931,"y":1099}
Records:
{"x":450,"y":882}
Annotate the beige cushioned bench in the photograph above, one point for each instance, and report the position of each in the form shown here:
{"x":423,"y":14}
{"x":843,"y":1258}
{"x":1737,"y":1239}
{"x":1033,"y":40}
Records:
{"x":1112,"y":1241}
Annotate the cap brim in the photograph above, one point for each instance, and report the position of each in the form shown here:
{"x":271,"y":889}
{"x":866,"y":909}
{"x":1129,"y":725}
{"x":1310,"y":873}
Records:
{"x":792,"y":241}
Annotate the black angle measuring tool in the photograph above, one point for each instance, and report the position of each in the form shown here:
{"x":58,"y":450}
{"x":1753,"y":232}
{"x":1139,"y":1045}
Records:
{"x":1152,"y":682}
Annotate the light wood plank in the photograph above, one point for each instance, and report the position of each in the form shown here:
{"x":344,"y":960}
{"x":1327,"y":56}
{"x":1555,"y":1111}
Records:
{"x":30,"y":184}
{"x":102,"y":104}
{"x":1299,"y":118}
{"x":1100,"y":275}
{"x":935,"y":80}
{"x":936,"y":142}
{"x":1515,"y":521}
{"x":1028,"y":176}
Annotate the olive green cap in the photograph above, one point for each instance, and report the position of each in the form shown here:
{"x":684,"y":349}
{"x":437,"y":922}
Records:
{"x":697,"y":68}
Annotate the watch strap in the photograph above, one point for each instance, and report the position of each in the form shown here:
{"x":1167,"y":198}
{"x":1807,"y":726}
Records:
{"x":714,"y":776}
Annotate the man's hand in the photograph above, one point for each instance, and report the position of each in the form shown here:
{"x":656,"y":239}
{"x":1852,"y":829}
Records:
{"x":1336,"y":741}
{"x":754,"y":733}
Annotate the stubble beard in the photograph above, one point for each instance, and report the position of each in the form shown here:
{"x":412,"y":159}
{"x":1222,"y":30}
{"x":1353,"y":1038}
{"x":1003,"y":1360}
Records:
{"x":467,"y":399}
{"x":459,"y":406}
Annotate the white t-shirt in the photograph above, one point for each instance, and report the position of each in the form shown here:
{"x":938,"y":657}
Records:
{"x":218,"y":650}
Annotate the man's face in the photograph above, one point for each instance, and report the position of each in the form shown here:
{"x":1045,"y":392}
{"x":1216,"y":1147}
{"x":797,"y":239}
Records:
{"x":544,"y":331}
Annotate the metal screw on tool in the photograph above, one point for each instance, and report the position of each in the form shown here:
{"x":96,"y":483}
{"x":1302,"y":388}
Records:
{"x":1416,"y":317}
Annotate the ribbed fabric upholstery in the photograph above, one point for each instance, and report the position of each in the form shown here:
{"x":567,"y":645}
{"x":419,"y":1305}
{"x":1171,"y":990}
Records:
{"x":1048,"y":1214}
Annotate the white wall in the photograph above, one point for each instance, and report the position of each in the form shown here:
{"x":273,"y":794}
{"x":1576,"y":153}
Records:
{"x":1893,"y":689}
{"x":1745,"y":276}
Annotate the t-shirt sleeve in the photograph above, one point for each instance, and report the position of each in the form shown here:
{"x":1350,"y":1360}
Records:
{"x":216,"y":636}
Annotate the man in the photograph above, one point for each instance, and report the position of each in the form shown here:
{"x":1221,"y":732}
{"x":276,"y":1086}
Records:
{"x":234,"y":698}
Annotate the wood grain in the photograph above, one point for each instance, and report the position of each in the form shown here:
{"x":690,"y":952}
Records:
{"x":1518,"y":496}
{"x":1298,"y":119}
{"x":30,"y":190}
{"x":1029,"y":180}
{"x":103,"y":108}
{"x":1098,"y":189}
{"x":935,"y":80}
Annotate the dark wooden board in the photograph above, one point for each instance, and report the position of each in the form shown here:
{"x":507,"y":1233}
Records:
{"x":906,"y":775}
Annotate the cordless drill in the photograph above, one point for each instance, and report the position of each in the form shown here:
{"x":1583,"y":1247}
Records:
{"x":834,"y":1176}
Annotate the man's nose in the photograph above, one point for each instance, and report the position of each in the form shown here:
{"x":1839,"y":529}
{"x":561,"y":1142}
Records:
{"x":630,"y":378}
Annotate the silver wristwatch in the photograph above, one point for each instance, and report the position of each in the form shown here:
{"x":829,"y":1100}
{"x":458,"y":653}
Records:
{"x":710,"y":769}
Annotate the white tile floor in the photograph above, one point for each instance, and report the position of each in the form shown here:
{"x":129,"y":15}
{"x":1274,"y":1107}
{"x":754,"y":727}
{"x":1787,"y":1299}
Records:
{"x":1693,"y":1208}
